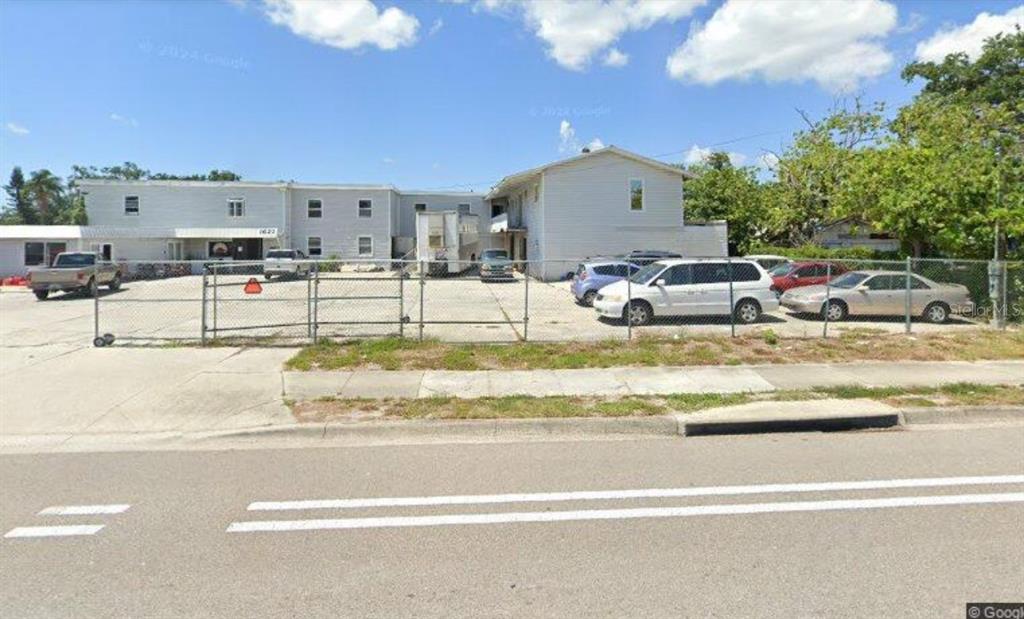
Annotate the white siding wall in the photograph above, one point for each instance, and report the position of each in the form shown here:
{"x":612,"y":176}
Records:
{"x":184,"y":206}
{"x":340,"y":227}
{"x":12,"y":254}
{"x":585,"y":210}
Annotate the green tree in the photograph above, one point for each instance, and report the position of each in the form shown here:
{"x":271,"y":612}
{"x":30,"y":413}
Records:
{"x":45,"y":190}
{"x":813,"y":172}
{"x":20,"y":210}
{"x":722,"y":191}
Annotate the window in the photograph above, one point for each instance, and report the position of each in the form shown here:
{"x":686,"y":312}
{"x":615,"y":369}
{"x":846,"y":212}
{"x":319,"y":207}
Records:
{"x":745,"y":273}
{"x":366,"y":246}
{"x":105,"y":250}
{"x":313,"y":247}
{"x":464,"y":208}
{"x":236,"y":207}
{"x":636,"y":194}
{"x":434,"y":241}
{"x":678,"y":275}
{"x":918,"y":284}
{"x":314,"y":209}
{"x":710,"y":273}
{"x":419,"y":207}
{"x":34,"y":254}
{"x":365,"y":208}
{"x":884,"y":282}
{"x":131,"y":205}
{"x":605,"y":269}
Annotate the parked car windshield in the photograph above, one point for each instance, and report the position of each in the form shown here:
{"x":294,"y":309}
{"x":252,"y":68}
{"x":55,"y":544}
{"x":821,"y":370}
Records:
{"x":281,"y":253}
{"x":848,"y":280}
{"x":494,"y":254}
{"x":647,"y":273}
{"x":75,"y":260}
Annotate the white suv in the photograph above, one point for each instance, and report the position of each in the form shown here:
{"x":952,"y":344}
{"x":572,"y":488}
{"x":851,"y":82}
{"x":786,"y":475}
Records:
{"x":690,"y":288}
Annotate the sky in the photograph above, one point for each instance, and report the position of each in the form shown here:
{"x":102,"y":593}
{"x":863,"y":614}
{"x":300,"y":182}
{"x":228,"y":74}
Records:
{"x":445,"y":95}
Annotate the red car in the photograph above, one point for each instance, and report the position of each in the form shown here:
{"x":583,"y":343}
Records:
{"x":796,"y":274}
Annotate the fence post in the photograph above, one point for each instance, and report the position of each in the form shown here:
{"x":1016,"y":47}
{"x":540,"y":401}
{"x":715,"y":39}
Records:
{"x":526,"y":300}
{"x":215,"y":300}
{"x":309,"y":302}
{"x":828,"y":298}
{"x":629,"y":307}
{"x":732,"y":306}
{"x":422,"y":284}
{"x":96,"y":302}
{"x":316,"y":302}
{"x":906,"y":296}
{"x":1005,"y":315}
{"x":401,"y":300}
{"x":202,"y":327}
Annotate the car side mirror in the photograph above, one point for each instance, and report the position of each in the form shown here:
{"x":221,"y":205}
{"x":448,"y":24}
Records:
{"x":660,"y":283}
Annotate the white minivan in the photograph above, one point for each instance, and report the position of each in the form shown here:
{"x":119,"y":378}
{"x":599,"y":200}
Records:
{"x":690,"y":288}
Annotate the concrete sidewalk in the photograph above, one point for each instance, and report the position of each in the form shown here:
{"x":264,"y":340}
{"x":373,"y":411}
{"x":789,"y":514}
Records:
{"x":63,"y":391}
{"x":643,"y":380}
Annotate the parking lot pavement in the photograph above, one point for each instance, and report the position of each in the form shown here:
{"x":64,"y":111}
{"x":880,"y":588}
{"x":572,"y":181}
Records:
{"x":459,"y":309}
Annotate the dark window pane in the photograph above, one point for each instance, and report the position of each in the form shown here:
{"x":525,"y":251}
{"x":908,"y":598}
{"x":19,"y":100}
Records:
{"x":33,"y":254}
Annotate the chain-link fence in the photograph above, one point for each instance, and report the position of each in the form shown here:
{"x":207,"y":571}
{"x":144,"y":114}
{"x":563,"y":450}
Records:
{"x":299,"y":301}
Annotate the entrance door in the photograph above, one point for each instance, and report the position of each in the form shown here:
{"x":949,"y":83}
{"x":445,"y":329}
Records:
{"x":247,"y":249}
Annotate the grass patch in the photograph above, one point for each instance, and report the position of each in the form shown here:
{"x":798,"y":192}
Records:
{"x":529,"y":407}
{"x":856,"y":344}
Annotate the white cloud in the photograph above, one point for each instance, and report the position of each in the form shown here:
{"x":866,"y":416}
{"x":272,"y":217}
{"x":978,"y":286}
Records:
{"x":768,"y":161}
{"x":970,"y":37}
{"x":345,"y":24}
{"x":577,"y":30}
{"x":834,"y":45}
{"x":567,"y":142}
{"x":17,"y":129}
{"x":616,"y":58}
{"x":387,"y":160}
{"x":699,"y":154}
{"x":435,"y":27}
{"x":124,"y":120}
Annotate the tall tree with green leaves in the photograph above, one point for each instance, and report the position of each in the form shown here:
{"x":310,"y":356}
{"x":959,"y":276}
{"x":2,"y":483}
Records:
{"x":19,"y":206}
{"x":45,"y":191}
{"x":721,"y":191}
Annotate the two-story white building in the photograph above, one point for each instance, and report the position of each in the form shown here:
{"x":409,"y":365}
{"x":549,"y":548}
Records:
{"x":597,"y":203}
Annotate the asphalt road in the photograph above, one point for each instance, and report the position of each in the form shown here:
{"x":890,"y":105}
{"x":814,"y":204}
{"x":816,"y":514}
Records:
{"x":181,"y":535}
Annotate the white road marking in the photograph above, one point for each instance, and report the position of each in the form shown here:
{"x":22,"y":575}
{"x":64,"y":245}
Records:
{"x":57,"y":531}
{"x":649,"y":493}
{"x":621,"y":514}
{"x":84,"y":510}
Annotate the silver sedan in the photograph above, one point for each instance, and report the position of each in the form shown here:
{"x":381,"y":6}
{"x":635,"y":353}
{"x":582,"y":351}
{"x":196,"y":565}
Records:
{"x":880,"y":293}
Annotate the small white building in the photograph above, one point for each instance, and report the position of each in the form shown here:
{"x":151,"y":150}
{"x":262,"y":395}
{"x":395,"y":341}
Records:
{"x":597,"y":203}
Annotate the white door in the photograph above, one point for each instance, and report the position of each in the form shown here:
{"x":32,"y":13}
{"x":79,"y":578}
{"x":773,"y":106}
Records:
{"x":678,"y":295}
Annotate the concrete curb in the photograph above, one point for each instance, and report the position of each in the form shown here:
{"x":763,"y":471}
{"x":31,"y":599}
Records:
{"x":413,"y":431}
{"x":961,"y":414}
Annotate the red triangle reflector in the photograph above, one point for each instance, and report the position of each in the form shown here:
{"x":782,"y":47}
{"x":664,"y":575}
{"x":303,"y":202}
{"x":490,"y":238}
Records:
{"x":252,"y":286}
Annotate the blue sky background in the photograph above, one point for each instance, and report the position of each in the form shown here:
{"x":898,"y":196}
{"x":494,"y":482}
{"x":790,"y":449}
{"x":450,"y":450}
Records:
{"x":189,"y":86}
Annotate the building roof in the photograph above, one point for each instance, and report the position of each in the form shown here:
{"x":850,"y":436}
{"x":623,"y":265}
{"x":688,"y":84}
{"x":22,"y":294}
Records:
{"x":98,"y":182}
{"x":520,"y":177}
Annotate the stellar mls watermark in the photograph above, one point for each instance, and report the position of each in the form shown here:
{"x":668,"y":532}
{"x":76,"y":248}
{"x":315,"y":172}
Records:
{"x":183,"y":53}
{"x":564,"y":111}
{"x":995,"y":610}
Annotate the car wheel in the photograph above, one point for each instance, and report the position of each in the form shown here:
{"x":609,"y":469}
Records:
{"x":936,"y":313}
{"x":115,"y":284}
{"x":834,"y":311}
{"x":42,"y":294}
{"x":638,"y":313}
{"x":748,"y":311}
{"x":266,"y":276}
{"x":588,"y":298}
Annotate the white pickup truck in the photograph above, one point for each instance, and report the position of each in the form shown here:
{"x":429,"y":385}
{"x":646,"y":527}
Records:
{"x":286,"y":263}
{"x":74,"y":271}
